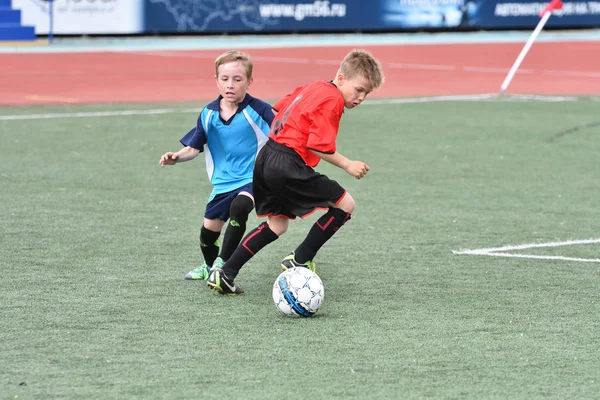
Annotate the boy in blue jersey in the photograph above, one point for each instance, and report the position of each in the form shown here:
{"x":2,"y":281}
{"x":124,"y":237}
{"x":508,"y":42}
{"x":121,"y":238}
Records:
{"x":233,"y":128}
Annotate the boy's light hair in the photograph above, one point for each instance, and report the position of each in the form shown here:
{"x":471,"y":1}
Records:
{"x":232,"y":56}
{"x":362,"y":63}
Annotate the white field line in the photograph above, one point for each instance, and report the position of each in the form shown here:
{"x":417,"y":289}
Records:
{"x":578,"y":74}
{"x":432,"y":67}
{"x":185,"y":54}
{"x":495,"y":70}
{"x":327,"y":62}
{"x":503,"y":251}
{"x":286,"y":60}
{"x":406,"y":100}
{"x":527,"y":246}
{"x":433,"y":99}
{"x":116,"y":113}
{"x":473,"y":97}
{"x":514,"y":255}
{"x":535,"y":97}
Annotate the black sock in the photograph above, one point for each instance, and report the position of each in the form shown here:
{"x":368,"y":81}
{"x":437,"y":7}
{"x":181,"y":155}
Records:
{"x":240,"y":208}
{"x":231,"y":240}
{"x":254,"y":241}
{"x":320,"y":233}
{"x":209,"y":245}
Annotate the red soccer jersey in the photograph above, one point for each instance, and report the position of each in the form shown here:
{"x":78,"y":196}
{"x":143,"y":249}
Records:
{"x":309,"y":118}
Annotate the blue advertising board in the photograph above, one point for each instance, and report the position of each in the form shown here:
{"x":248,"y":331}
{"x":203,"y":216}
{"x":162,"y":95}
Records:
{"x":258,"y":15}
{"x":251,"y":16}
{"x":301,"y":16}
{"x":525,"y":14}
{"x":287,"y":16}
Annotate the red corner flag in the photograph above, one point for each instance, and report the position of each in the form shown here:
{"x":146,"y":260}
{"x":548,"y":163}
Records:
{"x":544,"y":15}
{"x":553,"y":5}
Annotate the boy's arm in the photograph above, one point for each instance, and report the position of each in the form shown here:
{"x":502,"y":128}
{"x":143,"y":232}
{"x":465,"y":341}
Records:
{"x":193,"y":143}
{"x":357,"y":169}
{"x":185,"y":154}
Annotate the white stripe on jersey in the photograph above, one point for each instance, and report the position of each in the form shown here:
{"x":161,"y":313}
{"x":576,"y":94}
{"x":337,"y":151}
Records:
{"x":210,"y":165}
{"x":261,"y":138}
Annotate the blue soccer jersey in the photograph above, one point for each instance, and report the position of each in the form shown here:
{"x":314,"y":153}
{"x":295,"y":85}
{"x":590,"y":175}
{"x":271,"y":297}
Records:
{"x":231,"y":146}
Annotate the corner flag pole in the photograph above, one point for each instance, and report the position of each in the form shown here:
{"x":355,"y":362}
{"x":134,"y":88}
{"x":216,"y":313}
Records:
{"x":545,"y":14}
{"x":50,"y":20}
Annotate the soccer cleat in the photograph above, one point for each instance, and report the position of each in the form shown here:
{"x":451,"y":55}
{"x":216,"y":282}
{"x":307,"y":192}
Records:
{"x":200,"y":273}
{"x":289,"y":262}
{"x":203,"y":271}
{"x":219,"y":262}
{"x":219,"y":281}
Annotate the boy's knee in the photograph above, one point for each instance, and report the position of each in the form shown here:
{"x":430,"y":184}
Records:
{"x":208,"y":237}
{"x":347,"y":203}
{"x":240,"y":208}
{"x":278,"y":225}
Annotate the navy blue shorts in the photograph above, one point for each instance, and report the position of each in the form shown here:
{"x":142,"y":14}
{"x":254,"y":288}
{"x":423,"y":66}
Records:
{"x":219,"y":206}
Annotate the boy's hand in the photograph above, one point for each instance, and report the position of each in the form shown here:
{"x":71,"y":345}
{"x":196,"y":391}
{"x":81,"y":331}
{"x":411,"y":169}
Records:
{"x":168,"y":159}
{"x":357,"y":169}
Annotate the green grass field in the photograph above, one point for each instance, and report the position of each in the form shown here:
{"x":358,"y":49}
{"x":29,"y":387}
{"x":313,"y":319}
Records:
{"x":96,"y":238}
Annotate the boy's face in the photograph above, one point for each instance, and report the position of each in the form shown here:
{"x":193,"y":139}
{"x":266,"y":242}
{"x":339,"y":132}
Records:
{"x":233,"y":82}
{"x":354,"y":90}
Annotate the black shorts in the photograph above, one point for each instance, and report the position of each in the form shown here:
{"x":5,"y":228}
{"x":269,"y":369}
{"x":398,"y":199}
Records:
{"x":284,"y":186}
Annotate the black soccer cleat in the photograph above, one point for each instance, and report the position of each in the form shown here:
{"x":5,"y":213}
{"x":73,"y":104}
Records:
{"x":219,"y":281}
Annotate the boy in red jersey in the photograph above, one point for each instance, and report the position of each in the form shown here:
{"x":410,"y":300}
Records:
{"x":285,"y":184}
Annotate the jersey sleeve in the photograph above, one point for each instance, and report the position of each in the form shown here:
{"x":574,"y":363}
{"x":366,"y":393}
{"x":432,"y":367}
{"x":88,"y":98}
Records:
{"x":196,"y":137}
{"x":264,"y":110}
{"x":325,"y":123}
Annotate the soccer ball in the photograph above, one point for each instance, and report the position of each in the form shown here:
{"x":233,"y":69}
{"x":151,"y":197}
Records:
{"x":298,"y":292}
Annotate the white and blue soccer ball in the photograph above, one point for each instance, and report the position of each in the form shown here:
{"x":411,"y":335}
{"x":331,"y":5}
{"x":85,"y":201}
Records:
{"x":298,"y":292}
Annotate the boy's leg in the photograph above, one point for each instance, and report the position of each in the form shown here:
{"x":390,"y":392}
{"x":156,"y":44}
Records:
{"x":241,"y":206}
{"x":209,"y":247}
{"x":267,"y":185}
{"x":253,"y":242}
{"x":324,"y":229}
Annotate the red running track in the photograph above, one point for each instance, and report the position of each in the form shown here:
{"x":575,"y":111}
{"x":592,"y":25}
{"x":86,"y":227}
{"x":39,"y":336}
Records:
{"x":557,"y":68}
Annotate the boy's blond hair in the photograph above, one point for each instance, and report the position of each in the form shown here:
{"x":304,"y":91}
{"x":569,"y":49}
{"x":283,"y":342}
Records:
{"x":362,"y":63}
{"x":232,"y":56}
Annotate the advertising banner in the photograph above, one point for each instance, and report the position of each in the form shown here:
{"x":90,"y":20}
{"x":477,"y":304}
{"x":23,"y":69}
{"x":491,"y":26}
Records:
{"x":253,"y":16}
{"x":525,"y":14}
{"x":83,"y":16}
{"x":298,"y":16}
{"x":357,"y":15}
{"x":289,"y":16}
